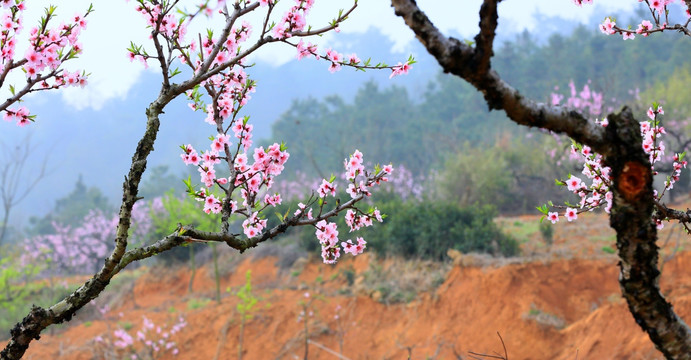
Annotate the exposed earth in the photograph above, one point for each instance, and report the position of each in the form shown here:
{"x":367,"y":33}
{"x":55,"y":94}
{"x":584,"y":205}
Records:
{"x":555,"y":302}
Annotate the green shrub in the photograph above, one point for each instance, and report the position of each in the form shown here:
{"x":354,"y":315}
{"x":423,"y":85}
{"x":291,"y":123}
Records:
{"x":514,"y":176}
{"x":547,"y":232}
{"x":428,"y":230}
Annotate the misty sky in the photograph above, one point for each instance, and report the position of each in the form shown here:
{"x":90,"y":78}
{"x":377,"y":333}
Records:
{"x":114,"y":24}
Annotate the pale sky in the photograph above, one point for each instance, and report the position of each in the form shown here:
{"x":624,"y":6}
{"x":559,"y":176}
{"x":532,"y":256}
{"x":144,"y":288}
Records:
{"x":115,"y":23}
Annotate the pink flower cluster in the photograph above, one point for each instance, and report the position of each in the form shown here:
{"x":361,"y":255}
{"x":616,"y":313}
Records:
{"x":651,"y":133}
{"x":253,"y":225}
{"x":677,"y":165}
{"x":301,"y":211}
{"x":327,"y":233}
{"x":166,"y":24}
{"x":326,"y":188}
{"x":48,"y":49}
{"x":660,"y":5}
{"x":293,"y":20}
{"x":81,"y":248}
{"x":355,"y":221}
{"x":580,"y":100}
{"x":400,"y":69}
{"x":48,"y":45}
{"x":306,"y":50}
{"x":155,"y":338}
{"x":591,"y":195}
{"x":74,"y":249}
{"x":353,"y":165}
{"x":354,"y":249}
{"x":581,"y":2}
{"x":21,"y":115}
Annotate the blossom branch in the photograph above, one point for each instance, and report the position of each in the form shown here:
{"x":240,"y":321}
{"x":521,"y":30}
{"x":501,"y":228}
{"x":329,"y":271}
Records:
{"x":334,"y":24}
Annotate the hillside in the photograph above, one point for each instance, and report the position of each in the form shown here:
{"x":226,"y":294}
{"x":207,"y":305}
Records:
{"x":555,"y":303}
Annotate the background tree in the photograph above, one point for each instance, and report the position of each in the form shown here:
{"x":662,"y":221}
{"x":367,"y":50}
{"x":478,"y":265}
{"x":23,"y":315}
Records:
{"x":635,"y":207}
{"x":14,"y":182}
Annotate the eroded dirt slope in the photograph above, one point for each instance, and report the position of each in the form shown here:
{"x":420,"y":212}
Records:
{"x":557,"y":303}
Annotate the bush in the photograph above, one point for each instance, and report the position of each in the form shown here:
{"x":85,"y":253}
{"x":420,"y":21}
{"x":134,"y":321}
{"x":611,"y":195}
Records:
{"x":427,"y":231}
{"x":547,"y":231}
{"x":516,"y":176}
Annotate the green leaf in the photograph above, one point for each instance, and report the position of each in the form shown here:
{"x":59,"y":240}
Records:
{"x":543,"y":209}
{"x":174,"y":72}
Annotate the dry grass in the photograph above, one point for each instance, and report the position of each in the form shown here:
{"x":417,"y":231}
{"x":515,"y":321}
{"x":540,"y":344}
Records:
{"x":400,"y":281}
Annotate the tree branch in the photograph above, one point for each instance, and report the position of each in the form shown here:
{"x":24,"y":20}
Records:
{"x":38,"y":318}
{"x":458,"y":58}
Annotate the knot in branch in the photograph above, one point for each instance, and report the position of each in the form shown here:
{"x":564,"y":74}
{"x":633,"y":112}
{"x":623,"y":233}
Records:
{"x":632,"y":180}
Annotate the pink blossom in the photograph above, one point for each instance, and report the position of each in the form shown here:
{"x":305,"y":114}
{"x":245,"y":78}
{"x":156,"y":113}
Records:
{"x":325,"y":188}
{"x":573,"y":183}
{"x":553,"y":217}
{"x":400,"y":69}
{"x":306,"y":50}
{"x":644,"y":27}
{"x":570,"y":214}
{"x":607,"y":26}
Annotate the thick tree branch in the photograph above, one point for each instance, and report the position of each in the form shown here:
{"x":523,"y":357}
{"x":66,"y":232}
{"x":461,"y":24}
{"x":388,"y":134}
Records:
{"x":669,"y":213}
{"x":620,"y":143}
{"x":636,"y":236}
{"x":38,"y":319}
{"x":460,"y":59}
{"x":485,"y":38}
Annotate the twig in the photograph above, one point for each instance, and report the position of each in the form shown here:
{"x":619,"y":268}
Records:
{"x":327,"y":349}
{"x":480,"y":356}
